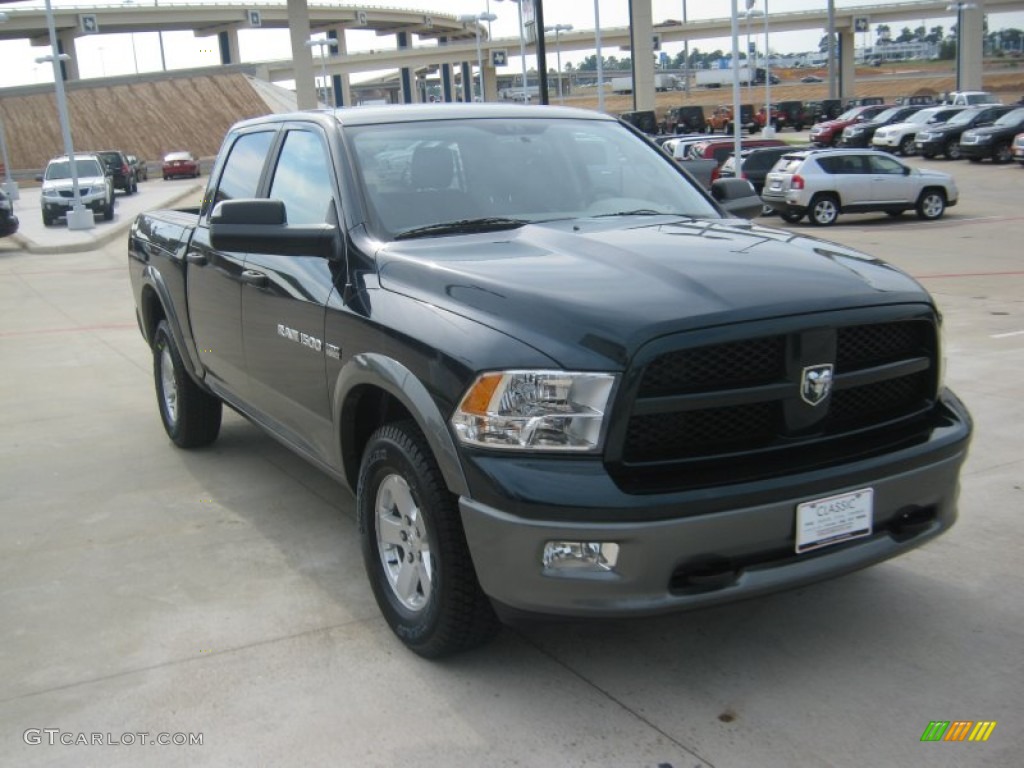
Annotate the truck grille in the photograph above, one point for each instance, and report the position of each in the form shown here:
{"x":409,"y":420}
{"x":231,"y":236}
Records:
{"x":738,"y":403}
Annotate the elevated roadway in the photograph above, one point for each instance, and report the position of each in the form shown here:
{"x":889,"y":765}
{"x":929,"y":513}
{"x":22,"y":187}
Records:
{"x":441,"y":40}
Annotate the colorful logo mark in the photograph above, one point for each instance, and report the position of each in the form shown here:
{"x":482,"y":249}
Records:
{"x":958,"y":730}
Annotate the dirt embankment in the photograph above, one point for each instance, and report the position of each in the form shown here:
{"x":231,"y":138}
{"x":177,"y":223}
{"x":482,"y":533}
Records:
{"x":148,"y":119}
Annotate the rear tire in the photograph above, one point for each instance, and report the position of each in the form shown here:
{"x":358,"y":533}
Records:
{"x":790,"y":217}
{"x":895,"y":214}
{"x":108,"y":211}
{"x":414,"y":547}
{"x":931,"y":205}
{"x":191,"y":417}
{"x":824,"y":210}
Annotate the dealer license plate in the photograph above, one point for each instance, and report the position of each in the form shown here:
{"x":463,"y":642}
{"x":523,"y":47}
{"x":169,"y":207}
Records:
{"x":824,"y":522}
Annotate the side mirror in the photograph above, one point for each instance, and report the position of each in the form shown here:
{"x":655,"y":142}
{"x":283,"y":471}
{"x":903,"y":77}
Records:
{"x":39,"y":177}
{"x":736,"y":197}
{"x":261,"y":226}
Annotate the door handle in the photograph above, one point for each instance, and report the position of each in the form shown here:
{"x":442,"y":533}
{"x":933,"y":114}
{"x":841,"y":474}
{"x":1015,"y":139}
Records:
{"x":195,"y":257}
{"x":252,"y":277}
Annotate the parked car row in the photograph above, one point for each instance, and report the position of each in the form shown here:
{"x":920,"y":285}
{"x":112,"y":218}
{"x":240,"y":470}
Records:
{"x":99,"y":175}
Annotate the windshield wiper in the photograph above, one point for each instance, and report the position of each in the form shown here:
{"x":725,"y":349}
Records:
{"x":463,"y":226}
{"x":641,"y":212}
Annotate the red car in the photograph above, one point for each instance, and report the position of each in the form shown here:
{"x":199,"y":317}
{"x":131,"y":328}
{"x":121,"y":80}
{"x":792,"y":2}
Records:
{"x":180,"y":164}
{"x":827,"y":134}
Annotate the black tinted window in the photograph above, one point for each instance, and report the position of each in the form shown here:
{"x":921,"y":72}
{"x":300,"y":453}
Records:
{"x":302,"y":179}
{"x":841,"y":164}
{"x":242,"y":170}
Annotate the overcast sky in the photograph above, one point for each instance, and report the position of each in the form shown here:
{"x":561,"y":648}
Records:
{"x":100,"y":55}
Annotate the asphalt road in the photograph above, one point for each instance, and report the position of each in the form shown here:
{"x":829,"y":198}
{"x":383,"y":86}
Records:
{"x":220,"y":594}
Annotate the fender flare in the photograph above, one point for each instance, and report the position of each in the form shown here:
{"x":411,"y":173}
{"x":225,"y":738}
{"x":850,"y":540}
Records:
{"x":153,"y":279}
{"x":385,"y":373}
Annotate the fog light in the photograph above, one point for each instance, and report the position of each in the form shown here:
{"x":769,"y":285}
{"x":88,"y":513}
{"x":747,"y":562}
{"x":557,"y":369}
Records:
{"x":592,"y":556}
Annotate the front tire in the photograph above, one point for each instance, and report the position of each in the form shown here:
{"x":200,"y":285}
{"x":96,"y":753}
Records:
{"x":931,"y":205}
{"x":907,"y":146}
{"x":1002,"y":154}
{"x":824,"y":210}
{"x":191,"y":417}
{"x":414,"y":548}
{"x":953,"y":149}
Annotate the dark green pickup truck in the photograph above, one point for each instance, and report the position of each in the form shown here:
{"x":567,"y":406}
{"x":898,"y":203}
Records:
{"x":559,"y":377}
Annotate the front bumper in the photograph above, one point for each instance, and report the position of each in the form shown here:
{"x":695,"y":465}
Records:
{"x":859,"y":141}
{"x":8,"y":226}
{"x":977,"y":151}
{"x":930,"y":146}
{"x":675,"y":553}
{"x":61,"y":206}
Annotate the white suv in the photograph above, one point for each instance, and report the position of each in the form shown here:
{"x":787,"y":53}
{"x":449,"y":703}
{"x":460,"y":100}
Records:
{"x":95,"y":187}
{"x":822,"y":183}
{"x":900,"y":137}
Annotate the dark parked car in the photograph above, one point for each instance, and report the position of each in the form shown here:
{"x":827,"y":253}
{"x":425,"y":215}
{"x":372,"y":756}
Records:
{"x":643,"y":119}
{"x":755,"y":164}
{"x":119,"y":170}
{"x":825,"y":109}
{"x":180,"y":164}
{"x":8,"y":221}
{"x":828,"y":133}
{"x":945,"y":139}
{"x":993,"y":142}
{"x":860,"y":134}
{"x":684,"y":120}
{"x":139,"y":167}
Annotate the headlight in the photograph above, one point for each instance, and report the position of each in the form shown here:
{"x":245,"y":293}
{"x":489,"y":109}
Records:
{"x":983,"y":138}
{"x":924,"y":136}
{"x":535,"y":410}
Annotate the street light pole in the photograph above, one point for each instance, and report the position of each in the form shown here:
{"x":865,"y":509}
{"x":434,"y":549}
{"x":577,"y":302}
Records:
{"x":79,"y":217}
{"x":769,"y":129}
{"x":321,"y":43}
{"x":600,"y":58}
{"x":522,"y":45}
{"x":476,"y":19}
{"x":557,"y":29}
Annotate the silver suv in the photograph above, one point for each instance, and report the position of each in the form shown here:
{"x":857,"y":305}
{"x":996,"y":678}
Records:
{"x":822,"y":183}
{"x":95,"y":188}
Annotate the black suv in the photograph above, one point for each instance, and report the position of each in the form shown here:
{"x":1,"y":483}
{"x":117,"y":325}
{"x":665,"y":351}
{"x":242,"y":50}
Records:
{"x":944,"y":139}
{"x":119,"y":169}
{"x":684,"y":120}
{"x":8,"y":221}
{"x":993,"y":141}
{"x":860,"y":135}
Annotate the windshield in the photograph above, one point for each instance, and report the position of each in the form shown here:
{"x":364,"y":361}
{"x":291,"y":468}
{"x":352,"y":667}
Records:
{"x":887,"y":114}
{"x":850,"y":113}
{"x":1011,"y":118}
{"x":962,"y":118}
{"x":61,"y":169}
{"x":922,"y":116}
{"x":527,"y":170}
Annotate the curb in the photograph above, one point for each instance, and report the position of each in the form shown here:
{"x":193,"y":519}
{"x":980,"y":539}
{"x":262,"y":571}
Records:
{"x":93,"y":242}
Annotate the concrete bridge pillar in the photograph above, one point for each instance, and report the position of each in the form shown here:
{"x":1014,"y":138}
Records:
{"x":847,"y":64}
{"x":66,"y":44}
{"x":228,"y":42}
{"x":641,"y":39}
{"x":302,"y":57}
{"x":490,"y":82}
{"x":342,"y":84}
{"x":971,"y":42}
{"x":467,"y":82}
{"x":405,"y":74}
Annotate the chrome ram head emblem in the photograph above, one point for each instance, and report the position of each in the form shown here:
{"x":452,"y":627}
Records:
{"x":816,"y":384}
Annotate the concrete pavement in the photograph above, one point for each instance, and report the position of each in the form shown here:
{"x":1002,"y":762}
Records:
{"x":221,"y":593}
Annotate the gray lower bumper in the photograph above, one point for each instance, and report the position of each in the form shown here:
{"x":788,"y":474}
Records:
{"x":690,"y":562}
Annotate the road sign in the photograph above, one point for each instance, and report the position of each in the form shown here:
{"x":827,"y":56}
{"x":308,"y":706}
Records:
{"x":88,"y":24}
{"x":255,"y":19}
{"x":860,"y":23}
{"x":361,"y":18}
{"x":499,"y":58}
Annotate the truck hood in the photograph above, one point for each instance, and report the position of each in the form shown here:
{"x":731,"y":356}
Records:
{"x":993,"y":130}
{"x":589,"y":292}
